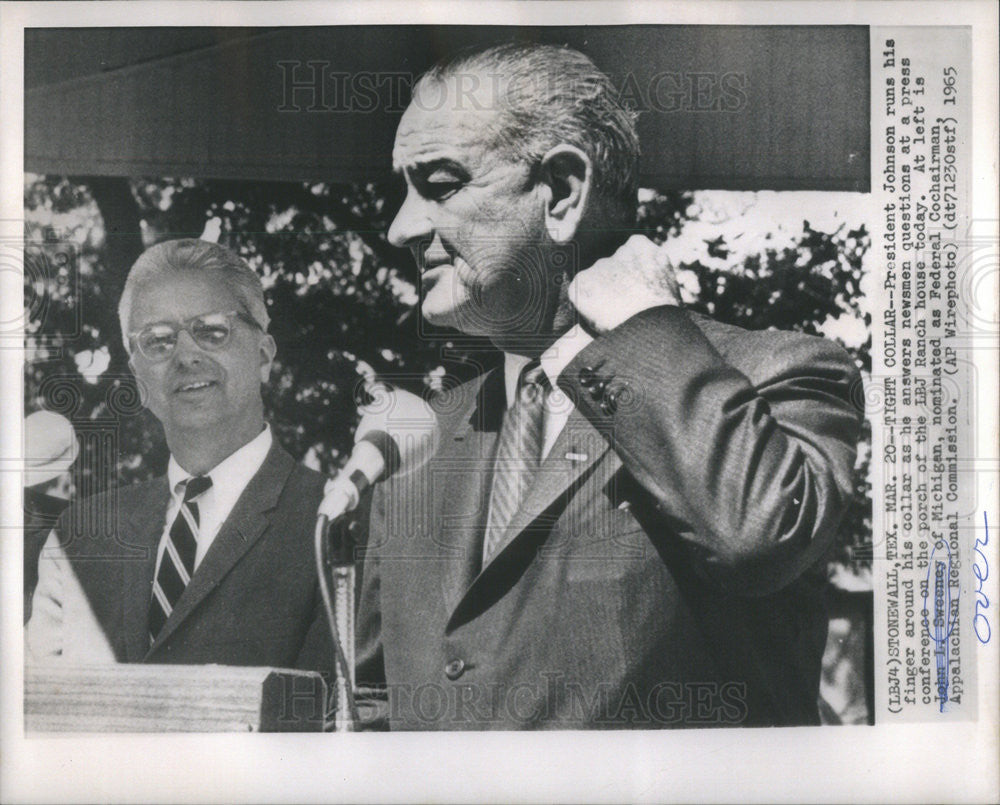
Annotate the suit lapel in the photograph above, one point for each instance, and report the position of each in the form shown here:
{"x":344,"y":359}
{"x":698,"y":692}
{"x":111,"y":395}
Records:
{"x":145,"y":524}
{"x":244,"y":526}
{"x":577,"y":450}
{"x":465,"y":467}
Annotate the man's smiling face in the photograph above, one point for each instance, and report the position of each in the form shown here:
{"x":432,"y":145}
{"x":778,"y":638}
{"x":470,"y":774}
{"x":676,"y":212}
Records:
{"x":195,"y":391}
{"x":473,"y":217}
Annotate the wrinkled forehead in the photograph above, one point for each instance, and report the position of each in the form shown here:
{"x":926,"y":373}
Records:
{"x":179,"y":295}
{"x":455,"y":115}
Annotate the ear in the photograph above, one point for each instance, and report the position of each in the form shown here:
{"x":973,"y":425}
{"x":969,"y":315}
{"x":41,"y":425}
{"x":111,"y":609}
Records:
{"x":567,"y":175}
{"x":268,"y":349}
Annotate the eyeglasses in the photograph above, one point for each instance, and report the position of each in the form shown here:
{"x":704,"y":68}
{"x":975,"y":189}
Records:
{"x":210,"y":331}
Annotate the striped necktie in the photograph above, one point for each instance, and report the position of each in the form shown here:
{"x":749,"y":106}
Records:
{"x":177,"y":562}
{"x":519,"y":453}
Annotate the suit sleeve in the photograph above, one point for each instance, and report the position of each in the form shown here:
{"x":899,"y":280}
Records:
{"x":753,"y":476}
{"x":370,"y":665}
{"x":373,"y":704}
{"x":316,"y":653}
{"x":43,"y":632}
{"x":63,"y":627}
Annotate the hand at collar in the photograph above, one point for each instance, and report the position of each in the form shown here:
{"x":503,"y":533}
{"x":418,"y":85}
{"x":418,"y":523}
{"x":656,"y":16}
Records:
{"x":635,"y":278}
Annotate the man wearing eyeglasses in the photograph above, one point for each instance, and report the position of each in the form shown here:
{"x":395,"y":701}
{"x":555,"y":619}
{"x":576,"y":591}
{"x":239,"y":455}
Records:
{"x":213,"y":562}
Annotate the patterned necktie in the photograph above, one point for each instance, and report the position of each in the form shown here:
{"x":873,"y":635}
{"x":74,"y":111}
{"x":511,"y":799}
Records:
{"x":177,"y":562}
{"x":518,"y":455}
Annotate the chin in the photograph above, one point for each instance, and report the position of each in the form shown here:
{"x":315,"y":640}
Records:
{"x":439,"y":318}
{"x":463,"y":320}
{"x":441,"y":310}
{"x":457,"y":312}
{"x":196,"y":417}
{"x":195,"y":424}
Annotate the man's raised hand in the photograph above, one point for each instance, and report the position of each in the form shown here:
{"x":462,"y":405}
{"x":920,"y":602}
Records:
{"x":636,"y":277}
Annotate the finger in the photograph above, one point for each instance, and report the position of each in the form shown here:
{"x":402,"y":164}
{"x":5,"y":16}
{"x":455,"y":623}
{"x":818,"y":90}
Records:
{"x":670,"y":279}
{"x":669,"y":273}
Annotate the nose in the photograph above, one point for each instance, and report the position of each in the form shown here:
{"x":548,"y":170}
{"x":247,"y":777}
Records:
{"x":187,"y":351}
{"x":411,"y":224}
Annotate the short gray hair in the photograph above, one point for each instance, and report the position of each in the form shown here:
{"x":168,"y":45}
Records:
{"x":189,"y":254}
{"x":554,"y":94}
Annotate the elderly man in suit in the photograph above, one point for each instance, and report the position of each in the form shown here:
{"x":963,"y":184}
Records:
{"x":624,"y":525}
{"x":213,"y":562}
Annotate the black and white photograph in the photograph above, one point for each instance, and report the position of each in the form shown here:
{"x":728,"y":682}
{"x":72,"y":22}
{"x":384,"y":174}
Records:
{"x":391,"y":376}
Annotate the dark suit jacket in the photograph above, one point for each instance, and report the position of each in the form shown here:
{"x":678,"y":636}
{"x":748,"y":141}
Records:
{"x":253,"y":600}
{"x":663,"y":571}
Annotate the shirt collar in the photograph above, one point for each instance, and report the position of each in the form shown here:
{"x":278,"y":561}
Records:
{"x":232,"y":474}
{"x":513,"y":365}
{"x":553,"y":360}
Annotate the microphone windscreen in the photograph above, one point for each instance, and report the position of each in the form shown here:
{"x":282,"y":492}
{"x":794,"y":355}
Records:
{"x":385,"y":444}
{"x":50,"y":447}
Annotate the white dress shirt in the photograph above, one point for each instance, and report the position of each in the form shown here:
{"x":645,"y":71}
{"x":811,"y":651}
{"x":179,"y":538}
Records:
{"x":229,"y":478}
{"x":558,"y":406}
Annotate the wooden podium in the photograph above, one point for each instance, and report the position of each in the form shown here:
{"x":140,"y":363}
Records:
{"x":172,"y":698}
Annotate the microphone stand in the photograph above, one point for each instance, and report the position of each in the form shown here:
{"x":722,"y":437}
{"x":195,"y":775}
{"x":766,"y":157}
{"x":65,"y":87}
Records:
{"x":337,"y":590}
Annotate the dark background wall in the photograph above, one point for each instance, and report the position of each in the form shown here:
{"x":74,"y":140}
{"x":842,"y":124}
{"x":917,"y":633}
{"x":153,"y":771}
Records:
{"x":727,"y":107}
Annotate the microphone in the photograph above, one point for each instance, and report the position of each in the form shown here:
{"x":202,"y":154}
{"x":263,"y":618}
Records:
{"x":51,"y":447}
{"x":398,"y":433}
